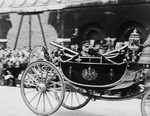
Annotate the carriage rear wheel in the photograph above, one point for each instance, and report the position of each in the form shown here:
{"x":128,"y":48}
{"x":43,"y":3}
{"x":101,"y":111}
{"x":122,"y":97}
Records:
{"x":40,"y":82}
{"x":74,"y":100}
{"x":145,"y":104}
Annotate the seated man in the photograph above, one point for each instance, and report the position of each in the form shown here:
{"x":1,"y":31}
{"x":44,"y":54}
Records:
{"x":85,"y":46}
{"x":88,"y":50}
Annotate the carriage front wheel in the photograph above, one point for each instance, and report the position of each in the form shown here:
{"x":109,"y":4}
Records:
{"x":145,"y":104}
{"x":40,"y":83}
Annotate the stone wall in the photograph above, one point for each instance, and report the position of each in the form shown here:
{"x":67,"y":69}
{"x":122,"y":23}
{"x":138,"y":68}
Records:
{"x":37,"y":39}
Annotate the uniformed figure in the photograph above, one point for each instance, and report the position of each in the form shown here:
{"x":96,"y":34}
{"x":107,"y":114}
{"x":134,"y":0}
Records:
{"x":74,"y":45}
{"x":85,"y":48}
{"x":75,"y":41}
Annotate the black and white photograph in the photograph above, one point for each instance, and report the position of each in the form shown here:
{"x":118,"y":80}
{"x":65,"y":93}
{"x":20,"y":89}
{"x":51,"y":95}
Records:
{"x":75,"y":57}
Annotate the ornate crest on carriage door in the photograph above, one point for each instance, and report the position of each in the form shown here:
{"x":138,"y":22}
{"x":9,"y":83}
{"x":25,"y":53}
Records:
{"x":89,"y":74}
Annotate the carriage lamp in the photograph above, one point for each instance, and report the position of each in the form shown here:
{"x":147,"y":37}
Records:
{"x":134,"y":43}
{"x":134,"y":40}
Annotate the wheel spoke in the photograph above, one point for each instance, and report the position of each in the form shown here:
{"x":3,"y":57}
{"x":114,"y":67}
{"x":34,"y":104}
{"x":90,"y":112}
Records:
{"x":42,"y":75}
{"x":34,"y":97}
{"x":55,"y":89}
{"x":46,"y":76}
{"x":53,"y":96}
{"x":35,"y":71}
{"x":30,"y":84}
{"x":36,"y":81}
{"x":54,"y":84}
{"x":38,"y":67}
{"x":77,"y":98}
{"x":49,"y":101}
{"x":67,"y":97}
{"x":44,"y":102}
{"x":29,"y":92}
{"x":51,"y":78}
{"x":71,"y":98}
{"x":41,"y":72}
{"x":38,"y":100}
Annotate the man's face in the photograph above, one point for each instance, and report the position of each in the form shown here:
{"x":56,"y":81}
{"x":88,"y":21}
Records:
{"x":85,"y":47}
{"x":97,"y":46}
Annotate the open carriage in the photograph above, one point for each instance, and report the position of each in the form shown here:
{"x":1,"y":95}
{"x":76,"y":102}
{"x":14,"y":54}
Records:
{"x":74,"y":80}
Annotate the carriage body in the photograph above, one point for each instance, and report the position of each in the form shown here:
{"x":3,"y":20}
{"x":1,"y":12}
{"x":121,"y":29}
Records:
{"x":105,"y":71}
{"x":93,"y":72}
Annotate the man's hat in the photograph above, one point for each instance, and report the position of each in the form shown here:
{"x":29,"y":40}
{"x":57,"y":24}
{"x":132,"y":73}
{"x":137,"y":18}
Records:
{"x":84,"y":42}
{"x":73,"y":41}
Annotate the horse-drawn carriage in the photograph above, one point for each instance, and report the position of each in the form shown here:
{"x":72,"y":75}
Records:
{"x":74,"y":79}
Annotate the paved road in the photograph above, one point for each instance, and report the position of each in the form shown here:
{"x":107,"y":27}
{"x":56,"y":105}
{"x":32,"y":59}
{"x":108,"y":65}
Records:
{"x":11,"y":104}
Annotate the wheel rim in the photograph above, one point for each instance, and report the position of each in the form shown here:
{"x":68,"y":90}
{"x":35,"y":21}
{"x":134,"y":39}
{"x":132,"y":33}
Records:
{"x":44,"y":81}
{"x":37,"y":54}
{"x":145,"y":104}
{"x":74,"y":100}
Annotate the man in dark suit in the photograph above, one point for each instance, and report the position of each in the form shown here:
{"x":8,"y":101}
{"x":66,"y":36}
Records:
{"x":5,"y":25}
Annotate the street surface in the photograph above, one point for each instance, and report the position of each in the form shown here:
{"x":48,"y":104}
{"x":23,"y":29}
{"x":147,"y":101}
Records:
{"x":11,"y":104}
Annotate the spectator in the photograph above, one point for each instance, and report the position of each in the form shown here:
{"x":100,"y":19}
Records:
{"x":5,"y":25}
{"x":74,"y":46}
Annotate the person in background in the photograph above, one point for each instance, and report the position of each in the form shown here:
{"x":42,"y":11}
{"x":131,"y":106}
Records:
{"x":5,"y":25}
{"x":98,"y":47}
{"x":74,"y":45}
{"x":75,"y":41}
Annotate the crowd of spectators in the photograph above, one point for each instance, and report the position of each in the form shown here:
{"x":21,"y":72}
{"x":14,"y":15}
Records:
{"x":12,"y":63}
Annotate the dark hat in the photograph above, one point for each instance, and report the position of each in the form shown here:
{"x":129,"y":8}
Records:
{"x":84,"y":42}
{"x":73,"y":41}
